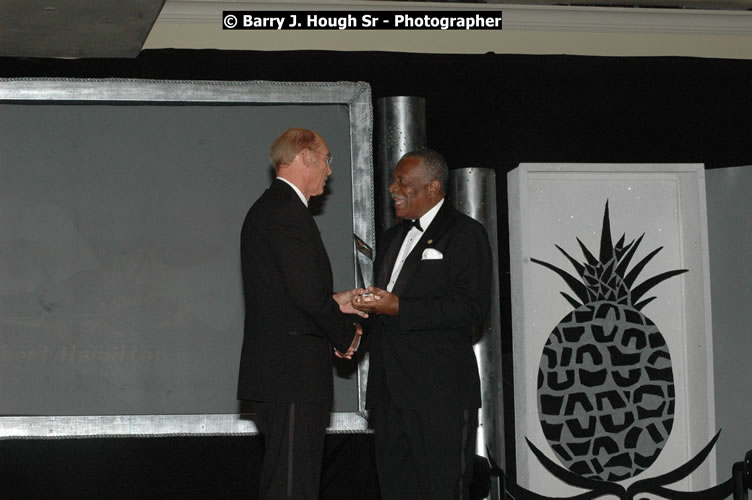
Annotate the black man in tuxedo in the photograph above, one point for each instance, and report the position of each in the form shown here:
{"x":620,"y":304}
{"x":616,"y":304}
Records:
{"x":433,"y":288}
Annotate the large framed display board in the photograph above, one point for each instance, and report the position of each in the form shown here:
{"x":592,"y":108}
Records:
{"x":121,"y":203}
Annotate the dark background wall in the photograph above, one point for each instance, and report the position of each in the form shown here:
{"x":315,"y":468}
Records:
{"x":498,"y":110}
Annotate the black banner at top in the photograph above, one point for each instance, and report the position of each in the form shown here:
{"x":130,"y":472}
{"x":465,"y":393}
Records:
{"x":360,"y":20}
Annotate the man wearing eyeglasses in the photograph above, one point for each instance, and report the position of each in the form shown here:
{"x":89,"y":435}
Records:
{"x":292,"y":319}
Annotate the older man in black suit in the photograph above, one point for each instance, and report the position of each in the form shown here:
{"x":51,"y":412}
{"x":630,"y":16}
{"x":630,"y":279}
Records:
{"x":292,"y":319}
{"x":433,"y":271}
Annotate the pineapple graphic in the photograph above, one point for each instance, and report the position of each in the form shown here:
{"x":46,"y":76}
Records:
{"x":605,"y":381}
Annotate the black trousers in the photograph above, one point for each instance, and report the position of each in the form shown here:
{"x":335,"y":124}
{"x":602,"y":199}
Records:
{"x":293,"y":449}
{"x":424,"y":454}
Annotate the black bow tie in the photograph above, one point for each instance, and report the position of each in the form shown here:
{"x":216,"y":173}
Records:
{"x":413,"y":223}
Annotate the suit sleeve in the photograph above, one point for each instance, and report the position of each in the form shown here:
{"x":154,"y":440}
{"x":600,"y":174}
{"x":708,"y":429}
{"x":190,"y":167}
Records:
{"x":465,"y":299}
{"x":307,"y":282}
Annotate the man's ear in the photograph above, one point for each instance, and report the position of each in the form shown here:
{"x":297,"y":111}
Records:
{"x":305,"y":156}
{"x":434,"y":187}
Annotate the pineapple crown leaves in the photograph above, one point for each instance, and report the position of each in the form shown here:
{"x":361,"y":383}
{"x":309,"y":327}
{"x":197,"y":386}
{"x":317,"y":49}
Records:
{"x":605,"y":277}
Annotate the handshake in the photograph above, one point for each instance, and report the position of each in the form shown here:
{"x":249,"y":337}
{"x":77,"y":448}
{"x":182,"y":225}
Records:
{"x":363,"y":302}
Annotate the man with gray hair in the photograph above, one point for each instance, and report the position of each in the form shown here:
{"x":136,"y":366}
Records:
{"x":433,"y":287}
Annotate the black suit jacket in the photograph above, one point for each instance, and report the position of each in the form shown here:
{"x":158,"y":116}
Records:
{"x":425,"y":353}
{"x":291,"y":320}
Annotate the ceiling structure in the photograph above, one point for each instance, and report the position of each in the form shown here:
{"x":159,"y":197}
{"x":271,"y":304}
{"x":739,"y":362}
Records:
{"x":118,"y":28}
{"x":75,"y":28}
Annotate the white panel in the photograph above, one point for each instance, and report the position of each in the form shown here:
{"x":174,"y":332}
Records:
{"x":553,"y":204}
{"x":730,"y":235}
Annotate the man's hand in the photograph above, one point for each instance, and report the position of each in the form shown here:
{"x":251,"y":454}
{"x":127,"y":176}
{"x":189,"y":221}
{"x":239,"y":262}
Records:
{"x":378,"y":302}
{"x":354,"y":346}
{"x":345,"y":298}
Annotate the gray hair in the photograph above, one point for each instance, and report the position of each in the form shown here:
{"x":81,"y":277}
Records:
{"x":434,"y":165}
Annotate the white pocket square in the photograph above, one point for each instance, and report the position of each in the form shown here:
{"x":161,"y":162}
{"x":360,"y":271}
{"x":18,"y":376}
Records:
{"x":432,"y":254}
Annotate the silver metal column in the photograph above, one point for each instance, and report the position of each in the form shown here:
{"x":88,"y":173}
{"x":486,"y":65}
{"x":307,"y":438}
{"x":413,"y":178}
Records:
{"x":472,"y":191}
{"x":400,"y":128}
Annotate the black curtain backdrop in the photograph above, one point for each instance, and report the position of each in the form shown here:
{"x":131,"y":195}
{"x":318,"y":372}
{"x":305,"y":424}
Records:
{"x":489,"y":110}
{"x":498,"y":110}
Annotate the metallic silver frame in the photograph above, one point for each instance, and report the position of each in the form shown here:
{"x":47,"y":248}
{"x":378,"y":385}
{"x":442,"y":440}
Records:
{"x":356,"y":95}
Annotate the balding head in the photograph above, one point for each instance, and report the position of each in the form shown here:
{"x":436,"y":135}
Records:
{"x":292,"y":141}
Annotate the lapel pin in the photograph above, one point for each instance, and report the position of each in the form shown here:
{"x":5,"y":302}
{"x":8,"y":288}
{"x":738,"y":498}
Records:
{"x":429,"y":242}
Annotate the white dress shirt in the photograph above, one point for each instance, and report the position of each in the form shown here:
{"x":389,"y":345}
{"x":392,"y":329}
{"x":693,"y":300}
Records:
{"x":410,"y":241}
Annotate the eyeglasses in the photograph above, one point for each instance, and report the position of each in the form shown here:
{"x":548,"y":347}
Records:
{"x":329,"y":159}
